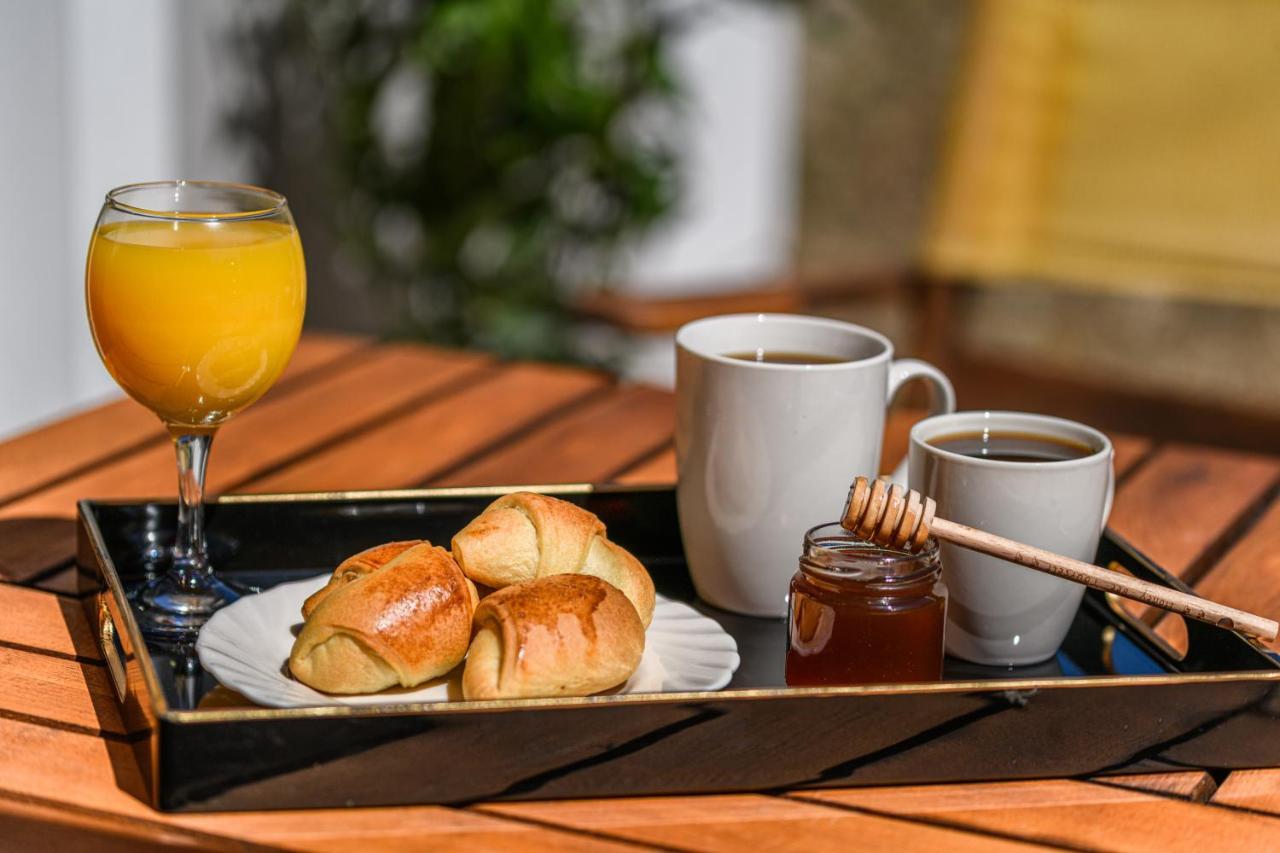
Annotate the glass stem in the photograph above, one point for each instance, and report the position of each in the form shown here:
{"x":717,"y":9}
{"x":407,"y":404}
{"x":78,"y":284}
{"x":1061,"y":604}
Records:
{"x":190,"y":560}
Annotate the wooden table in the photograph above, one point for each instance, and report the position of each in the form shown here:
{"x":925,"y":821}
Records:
{"x":350,"y":414}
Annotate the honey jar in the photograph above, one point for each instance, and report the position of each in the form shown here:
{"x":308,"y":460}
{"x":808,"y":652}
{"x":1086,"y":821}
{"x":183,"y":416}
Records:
{"x":862,"y":614}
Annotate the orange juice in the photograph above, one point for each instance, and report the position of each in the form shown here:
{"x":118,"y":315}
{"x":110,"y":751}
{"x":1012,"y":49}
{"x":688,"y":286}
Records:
{"x":195,"y":320}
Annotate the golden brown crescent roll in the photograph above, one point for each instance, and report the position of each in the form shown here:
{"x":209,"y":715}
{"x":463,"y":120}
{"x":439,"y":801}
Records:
{"x":398,"y":623}
{"x":523,"y":536}
{"x":356,"y":566}
{"x":564,"y":635}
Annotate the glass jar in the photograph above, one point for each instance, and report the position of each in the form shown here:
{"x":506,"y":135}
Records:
{"x":862,"y":614}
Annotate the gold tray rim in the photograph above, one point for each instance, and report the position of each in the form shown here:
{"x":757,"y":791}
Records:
{"x":159,"y":706}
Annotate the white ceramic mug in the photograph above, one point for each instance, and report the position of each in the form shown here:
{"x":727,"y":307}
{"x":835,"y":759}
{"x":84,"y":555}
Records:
{"x":999,"y":613}
{"x":766,"y":451}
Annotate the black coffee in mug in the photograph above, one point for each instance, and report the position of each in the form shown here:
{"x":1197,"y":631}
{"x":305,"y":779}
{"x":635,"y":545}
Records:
{"x":768,"y":356}
{"x":1012,"y":446}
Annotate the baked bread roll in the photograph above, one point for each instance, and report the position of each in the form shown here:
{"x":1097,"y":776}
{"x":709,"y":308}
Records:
{"x":564,"y":635}
{"x":356,"y":566}
{"x":398,"y":623}
{"x":524,"y":536}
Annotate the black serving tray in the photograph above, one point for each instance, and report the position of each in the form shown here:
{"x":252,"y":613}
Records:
{"x":1115,"y":699}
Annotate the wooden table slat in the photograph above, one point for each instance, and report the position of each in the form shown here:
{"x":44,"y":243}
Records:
{"x":412,"y":828}
{"x":101,"y":433}
{"x":658,"y":469}
{"x":274,"y":431}
{"x":28,"y":825}
{"x":38,"y":620}
{"x":1248,"y":576}
{"x":1256,"y":790}
{"x":1185,"y":504}
{"x":1189,"y":784}
{"x":1069,"y":813}
{"x":32,"y":547}
{"x":749,"y":821}
{"x":64,"y":581}
{"x":498,"y":406}
{"x":1129,"y":450}
{"x":590,"y":444}
{"x":59,"y":691}
{"x":1185,"y":499}
{"x":62,"y":767}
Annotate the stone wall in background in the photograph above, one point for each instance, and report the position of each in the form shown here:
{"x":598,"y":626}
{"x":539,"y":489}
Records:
{"x":1215,"y":354}
{"x":878,"y":81}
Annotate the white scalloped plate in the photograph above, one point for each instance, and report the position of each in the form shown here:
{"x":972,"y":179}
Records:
{"x":245,"y":646}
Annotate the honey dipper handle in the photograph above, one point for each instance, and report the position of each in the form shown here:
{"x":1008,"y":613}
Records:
{"x":1105,"y":580}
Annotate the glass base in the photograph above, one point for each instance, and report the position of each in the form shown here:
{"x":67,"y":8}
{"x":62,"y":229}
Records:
{"x":173,"y":610}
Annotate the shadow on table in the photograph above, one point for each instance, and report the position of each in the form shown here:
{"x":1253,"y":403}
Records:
{"x":31,"y":548}
{"x":125,"y":739}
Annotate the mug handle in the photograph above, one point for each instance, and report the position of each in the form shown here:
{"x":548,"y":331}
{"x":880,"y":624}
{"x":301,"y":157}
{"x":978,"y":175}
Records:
{"x":903,"y":370}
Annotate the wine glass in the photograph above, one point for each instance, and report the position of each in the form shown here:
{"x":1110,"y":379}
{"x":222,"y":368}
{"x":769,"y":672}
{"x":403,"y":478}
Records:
{"x":196,"y":292}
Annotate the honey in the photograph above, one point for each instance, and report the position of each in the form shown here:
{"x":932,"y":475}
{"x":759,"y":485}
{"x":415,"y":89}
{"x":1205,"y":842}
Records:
{"x":862,"y":614}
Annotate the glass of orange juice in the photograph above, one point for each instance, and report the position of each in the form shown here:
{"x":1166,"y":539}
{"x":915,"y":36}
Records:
{"x":196,"y":292}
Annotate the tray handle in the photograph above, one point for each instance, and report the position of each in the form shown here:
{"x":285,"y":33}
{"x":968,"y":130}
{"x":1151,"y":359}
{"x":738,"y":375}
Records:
{"x":112,"y":651}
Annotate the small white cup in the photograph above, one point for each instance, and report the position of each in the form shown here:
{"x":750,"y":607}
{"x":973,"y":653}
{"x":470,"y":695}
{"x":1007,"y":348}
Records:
{"x":999,"y":613}
{"x":766,"y":451}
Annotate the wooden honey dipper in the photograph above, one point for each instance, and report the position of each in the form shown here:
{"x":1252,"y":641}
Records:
{"x":894,"y":517}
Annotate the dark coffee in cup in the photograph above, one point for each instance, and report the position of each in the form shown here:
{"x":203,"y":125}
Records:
{"x":1012,"y":446}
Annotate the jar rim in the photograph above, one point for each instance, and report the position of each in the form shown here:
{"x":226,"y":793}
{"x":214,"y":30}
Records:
{"x":858,"y":559}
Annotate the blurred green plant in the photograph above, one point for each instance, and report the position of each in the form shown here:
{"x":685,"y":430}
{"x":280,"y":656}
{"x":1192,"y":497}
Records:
{"x":479,"y":156}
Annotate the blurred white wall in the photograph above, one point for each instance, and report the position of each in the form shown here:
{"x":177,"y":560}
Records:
{"x":36,"y":287}
{"x":97,"y":94}
{"x":735,"y":227}
{"x":739,"y":64}
{"x":94,"y":95}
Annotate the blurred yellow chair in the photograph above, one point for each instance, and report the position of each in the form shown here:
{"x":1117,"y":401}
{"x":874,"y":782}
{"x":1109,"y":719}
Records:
{"x":1128,"y":145}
